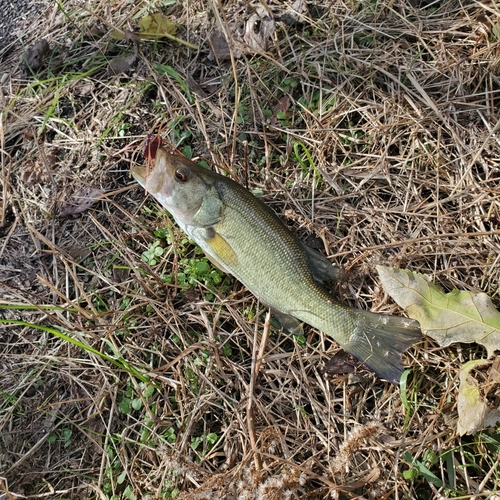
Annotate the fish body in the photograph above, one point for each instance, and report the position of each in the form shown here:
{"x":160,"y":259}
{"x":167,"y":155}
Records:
{"x":245,"y":238}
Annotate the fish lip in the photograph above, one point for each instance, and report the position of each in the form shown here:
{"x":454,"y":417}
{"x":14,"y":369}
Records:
{"x":140,"y":174}
{"x":155,"y":179}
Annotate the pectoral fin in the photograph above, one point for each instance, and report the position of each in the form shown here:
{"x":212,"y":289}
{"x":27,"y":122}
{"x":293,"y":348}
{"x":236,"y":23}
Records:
{"x":221,"y":248}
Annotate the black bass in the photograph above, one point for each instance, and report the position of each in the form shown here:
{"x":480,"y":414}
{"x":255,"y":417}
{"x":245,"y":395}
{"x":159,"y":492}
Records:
{"x":245,"y":238}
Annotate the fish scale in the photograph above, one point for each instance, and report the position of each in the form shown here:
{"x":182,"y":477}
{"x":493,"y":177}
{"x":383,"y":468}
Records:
{"x":283,"y":263}
{"x":245,"y":238}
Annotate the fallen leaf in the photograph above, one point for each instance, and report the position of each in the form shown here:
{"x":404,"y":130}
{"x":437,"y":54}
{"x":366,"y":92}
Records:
{"x":51,"y":159}
{"x":156,"y":25}
{"x":35,"y":56}
{"x":219,"y":46}
{"x":296,"y":14}
{"x":473,"y":412}
{"x":131,"y":37}
{"x":34,"y":172}
{"x":279,"y":111}
{"x":259,"y":30}
{"x":494,"y":371}
{"x":121,"y":64}
{"x":82,"y":200}
{"x":77,"y":253}
{"x":153,"y":27}
{"x":150,"y":28}
{"x":458,"y":316}
{"x":340,"y":364}
{"x":29,"y":134}
{"x":84,"y":88}
{"x":484,"y":20}
{"x":120,"y":274}
{"x":118,"y":35}
{"x":128,"y":36}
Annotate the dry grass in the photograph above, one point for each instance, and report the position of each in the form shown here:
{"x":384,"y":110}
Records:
{"x":387,"y":153}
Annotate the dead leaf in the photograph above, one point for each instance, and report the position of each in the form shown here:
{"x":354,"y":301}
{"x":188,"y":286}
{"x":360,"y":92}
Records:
{"x":481,"y":18}
{"x":97,"y":31}
{"x":340,"y":364}
{"x":153,"y":27}
{"x":82,"y":200}
{"x":279,"y":111}
{"x":84,"y":88}
{"x":51,"y":160}
{"x":131,"y":37}
{"x":254,"y":35}
{"x":150,"y":28}
{"x":297,"y":12}
{"x":118,"y":35}
{"x":458,"y":316}
{"x":259,"y":30}
{"x":35,"y":56}
{"x":34,"y":172}
{"x":29,"y":134}
{"x":473,"y":412}
{"x":121,"y":64}
{"x":219,"y":46}
{"x":120,"y":274}
{"x":156,"y":25}
{"x":494,"y":371}
{"x":77,"y":253}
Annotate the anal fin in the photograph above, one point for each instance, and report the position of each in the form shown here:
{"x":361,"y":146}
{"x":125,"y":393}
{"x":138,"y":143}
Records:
{"x":289,"y":323}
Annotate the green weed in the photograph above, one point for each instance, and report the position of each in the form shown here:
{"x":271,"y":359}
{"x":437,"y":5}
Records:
{"x":422,"y":467}
{"x":208,"y":440}
{"x":62,"y":436}
{"x":131,"y":400}
{"x":153,"y":254}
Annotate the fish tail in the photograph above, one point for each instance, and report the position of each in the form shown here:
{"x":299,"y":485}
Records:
{"x":379,"y":340}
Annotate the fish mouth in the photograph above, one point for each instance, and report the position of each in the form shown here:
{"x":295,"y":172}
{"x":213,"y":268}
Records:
{"x":152,"y":175}
{"x":154,"y":179}
{"x":140,"y":174}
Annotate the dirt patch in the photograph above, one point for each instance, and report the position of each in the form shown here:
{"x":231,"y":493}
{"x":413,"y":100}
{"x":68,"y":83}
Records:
{"x":18,"y":16}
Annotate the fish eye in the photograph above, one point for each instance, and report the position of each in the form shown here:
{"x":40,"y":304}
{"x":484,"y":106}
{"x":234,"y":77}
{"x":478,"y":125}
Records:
{"x":181,"y":175}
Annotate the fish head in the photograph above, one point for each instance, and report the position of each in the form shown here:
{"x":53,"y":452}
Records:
{"x":176,"y":182}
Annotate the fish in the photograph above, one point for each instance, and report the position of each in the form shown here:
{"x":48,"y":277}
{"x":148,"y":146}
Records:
{"x":245,"y":238}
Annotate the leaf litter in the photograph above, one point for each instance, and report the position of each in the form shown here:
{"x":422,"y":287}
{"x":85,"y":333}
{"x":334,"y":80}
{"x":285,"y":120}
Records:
{"x":35,"y":57}
{"x":457,"y":316}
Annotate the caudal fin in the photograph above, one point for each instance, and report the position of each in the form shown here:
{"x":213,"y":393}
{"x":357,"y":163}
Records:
{"x":379,"y":341}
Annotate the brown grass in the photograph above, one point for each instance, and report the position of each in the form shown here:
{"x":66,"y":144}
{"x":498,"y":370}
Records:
{"x":393,"y":110}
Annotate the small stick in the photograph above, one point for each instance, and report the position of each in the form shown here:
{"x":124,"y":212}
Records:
{"x":256,"y":364}
{"x":262,"y":347}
